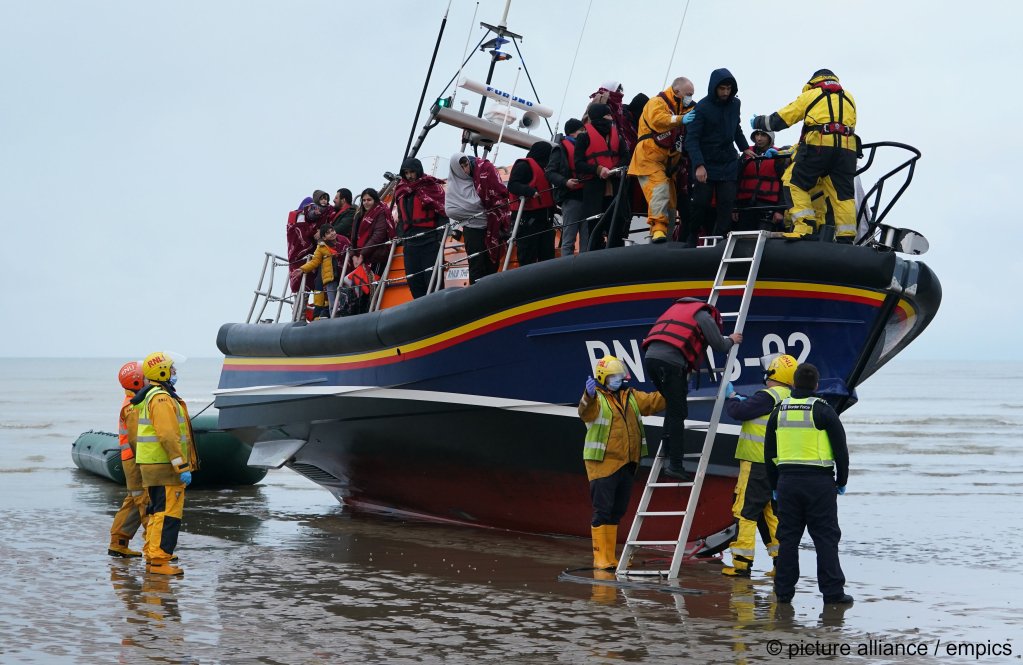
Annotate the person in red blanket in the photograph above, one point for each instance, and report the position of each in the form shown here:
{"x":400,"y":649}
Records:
{"x":375,"y":227}
{"x":420,"y":202}
{"x":477,"y":198}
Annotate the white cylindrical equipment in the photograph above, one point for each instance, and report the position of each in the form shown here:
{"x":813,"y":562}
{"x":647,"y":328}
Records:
{"x":502,"y":96}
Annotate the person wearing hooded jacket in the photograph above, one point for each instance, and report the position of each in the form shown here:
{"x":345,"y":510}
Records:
{"x":535,"y":236}
{"x":711,"y":141}
{"x":568,"y":189}
{"x":478,"y":199}
{"x":598,"y":150}
{"x":419,"y":199}
{"x":657,"y":156}
{"x":828,"y":147}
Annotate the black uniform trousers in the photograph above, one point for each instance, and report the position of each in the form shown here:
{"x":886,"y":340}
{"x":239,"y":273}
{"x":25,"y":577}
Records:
{"x":610,"y":495}
{"x":808,"y":501}
{"x":420,"y":256}
{"x":672,"y":381}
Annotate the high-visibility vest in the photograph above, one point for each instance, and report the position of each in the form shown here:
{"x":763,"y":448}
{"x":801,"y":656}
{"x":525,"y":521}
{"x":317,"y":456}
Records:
{"x":751,"y":437}
{"x":147,"y":444}
{"x":540,"y":183}
{"x":122,"y":431}
{"x":678,"y":327}
{"x":600,"y":152}
{"x":598,"y":431}
{"x":799,"y":440}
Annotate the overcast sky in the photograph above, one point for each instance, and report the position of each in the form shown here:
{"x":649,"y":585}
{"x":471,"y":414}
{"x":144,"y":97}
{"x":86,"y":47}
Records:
{"x":151,"y":151}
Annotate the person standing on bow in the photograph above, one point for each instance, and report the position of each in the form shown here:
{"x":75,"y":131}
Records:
{"x":828,"y":147}
{"x":658,"y":155}
{"x":599,"y":150}
{"x":674,"y":347}
{"x":568,"y":189}
{"x":131,"y":515}
{"x":711,"y":140}
{"x":752,"y":491}
{"x":166,"y":457}
{"x":535,"y":236}
{"x":478,"y":199}
{"x":420,"y":202}
{"x":760,"y":186}
{"x":808,"y":467}
{"x":615,"y":442}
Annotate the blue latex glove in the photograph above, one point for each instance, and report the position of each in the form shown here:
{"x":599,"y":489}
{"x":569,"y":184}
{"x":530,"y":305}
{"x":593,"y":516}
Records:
{"x":753,"y":121}
{"x":841,"y":490}
{"x":689,"y":117}
{"x":591,"y":386}
{"x":186,"y":478}
{"x":730,"y":391}
{"x":774,"y":495}
{"x":770,"y":152}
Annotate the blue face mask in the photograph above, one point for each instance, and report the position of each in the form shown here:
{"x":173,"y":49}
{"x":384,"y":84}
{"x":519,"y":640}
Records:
{"x":615,"y":382}
{"x":173,"y":380}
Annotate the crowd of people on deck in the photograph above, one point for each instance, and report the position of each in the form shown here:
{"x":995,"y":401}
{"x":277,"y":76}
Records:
{"x":688,"y":163}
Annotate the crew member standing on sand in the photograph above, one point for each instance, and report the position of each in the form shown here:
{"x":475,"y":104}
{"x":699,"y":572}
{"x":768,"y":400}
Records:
{"x":166,"y":457}
{"x":615,"y":442}
{"x":752,"y":491}
{"x":808,"y":462}
{"x":130,"y":516}
{"x":675,"y":345}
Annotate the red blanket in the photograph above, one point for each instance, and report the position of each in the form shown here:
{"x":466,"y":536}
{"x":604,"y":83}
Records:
{"x":495,"y":197}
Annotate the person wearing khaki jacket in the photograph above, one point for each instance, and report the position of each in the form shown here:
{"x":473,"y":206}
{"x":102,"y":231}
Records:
{"x":166,"y":456}
{"x":615,"y":442}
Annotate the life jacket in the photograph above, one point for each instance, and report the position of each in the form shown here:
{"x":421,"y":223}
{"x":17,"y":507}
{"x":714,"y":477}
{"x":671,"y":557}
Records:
{"x":835,"y":127}
{"x":360,"y":279}
{"x":799,"y":440}
{"x":600,"y":152}
{"x":599,"y":431}
{"x":677,"y":327}
{"x":569,"y":148}
{"x":295,"y":216}
{"x":759,"y":182}
{"x":420,"y":219}
{"x":540,"y":183}
{"x":668,"y":140}
{"x":147,"y":444}
{"x":122,"y":432}
{"x":751,"y":437}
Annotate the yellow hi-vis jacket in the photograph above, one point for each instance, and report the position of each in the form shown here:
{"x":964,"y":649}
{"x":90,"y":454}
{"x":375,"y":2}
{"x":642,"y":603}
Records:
{"x":164,"y":438}
{"x":816,"y":107}
{"x":751,"y":437}
{"x":614,"y":429}
{"x":799,"y":440}
{"x":658,"y":118}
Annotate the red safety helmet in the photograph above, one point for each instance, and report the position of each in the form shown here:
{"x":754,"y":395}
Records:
{"x":130,"y":376}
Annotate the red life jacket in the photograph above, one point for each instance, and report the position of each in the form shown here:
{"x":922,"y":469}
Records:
{"x":540,"y":183}
{"x":759,"y":183}
{"x":122,"y":433}
{"x":293,"y":217}
{"x":599,"y":152}
{"x":420,"y":219}
{"x":569,"y":148}
{"x":360,"y":279}
{"x":677,"y":327}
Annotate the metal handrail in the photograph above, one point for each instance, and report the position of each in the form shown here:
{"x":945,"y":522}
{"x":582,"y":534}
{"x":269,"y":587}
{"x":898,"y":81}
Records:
{"x":871,"y":203}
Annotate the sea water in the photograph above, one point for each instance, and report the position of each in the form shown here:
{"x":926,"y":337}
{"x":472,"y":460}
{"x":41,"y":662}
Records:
{"x":280,"y":573}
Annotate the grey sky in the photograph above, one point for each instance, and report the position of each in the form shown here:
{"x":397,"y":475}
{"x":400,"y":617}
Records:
{"x":151,"y":151}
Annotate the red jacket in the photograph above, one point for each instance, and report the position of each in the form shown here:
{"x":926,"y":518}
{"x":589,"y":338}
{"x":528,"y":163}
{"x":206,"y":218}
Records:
{"x":677,"y":327}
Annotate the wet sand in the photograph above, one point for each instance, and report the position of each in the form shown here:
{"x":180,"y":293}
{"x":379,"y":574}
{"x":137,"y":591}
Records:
{"x":279,"y":573}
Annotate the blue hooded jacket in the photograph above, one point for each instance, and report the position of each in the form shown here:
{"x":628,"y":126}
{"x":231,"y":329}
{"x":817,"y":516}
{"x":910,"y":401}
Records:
{"x":712,"y":136}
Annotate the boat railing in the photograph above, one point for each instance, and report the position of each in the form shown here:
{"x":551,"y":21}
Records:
{"x":268,"y":294}
{"x":870,"y":209}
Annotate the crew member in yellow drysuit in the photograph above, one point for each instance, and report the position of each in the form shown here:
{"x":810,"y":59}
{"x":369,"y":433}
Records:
{"x":131,"y":515}
{"x":657,"y":156}
{"x":828,"y":148}
{"x":166,"y":456}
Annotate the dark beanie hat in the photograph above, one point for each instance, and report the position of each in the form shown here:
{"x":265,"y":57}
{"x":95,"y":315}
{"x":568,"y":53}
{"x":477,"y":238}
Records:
{"x":597,"y":110}
{"x":573,"y":125}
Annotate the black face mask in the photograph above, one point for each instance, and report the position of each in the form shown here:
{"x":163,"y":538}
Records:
{"x":602,"y":125}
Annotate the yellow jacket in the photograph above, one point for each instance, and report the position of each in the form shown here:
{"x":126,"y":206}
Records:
{"x":624,"y":439}
{"x":649,"y":158}
{"x":132,"y":475}
{"x":322,"y":259}
{"x":812,"y":107}
{"x":164,"y":416}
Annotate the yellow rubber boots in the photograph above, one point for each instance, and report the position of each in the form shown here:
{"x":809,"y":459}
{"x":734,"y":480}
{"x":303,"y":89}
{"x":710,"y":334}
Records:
{"x":605,"y":539}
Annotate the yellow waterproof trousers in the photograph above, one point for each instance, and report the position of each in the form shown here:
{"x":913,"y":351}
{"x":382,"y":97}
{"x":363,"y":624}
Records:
{"x":130,"y":516}
{"x":661,"y":203}
{"x":166,"y":507}
{"x":752,"y":502}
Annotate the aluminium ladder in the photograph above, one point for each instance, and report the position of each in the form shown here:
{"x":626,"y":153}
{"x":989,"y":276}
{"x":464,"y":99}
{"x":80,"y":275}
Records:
{"x":642,"y":512}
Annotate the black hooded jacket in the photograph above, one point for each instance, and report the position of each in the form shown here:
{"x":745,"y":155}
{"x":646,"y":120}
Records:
{"x":521,"y":173}
{"x":712,"y":136}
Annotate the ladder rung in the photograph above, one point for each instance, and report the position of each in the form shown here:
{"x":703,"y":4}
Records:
{"x":724,"y":314}
{"x":659,"y":513}
{"x":735,"y":287}
{"x":670,"y":484}
{"x":645,"y":572}
{"x":652,"y":542}
{"x":740,"y":260}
